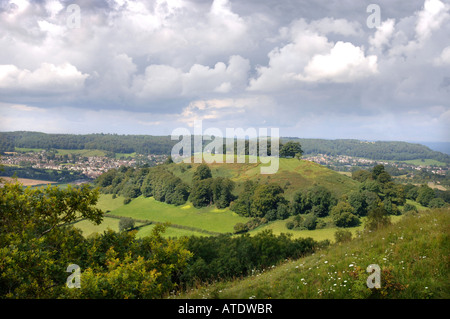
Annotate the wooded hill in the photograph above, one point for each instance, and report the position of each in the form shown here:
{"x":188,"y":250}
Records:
{"x":148,"y":144}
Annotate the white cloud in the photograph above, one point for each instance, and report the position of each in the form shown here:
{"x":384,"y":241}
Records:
{"x":444,"y":57}
{"x":383,"y":34}
{"x":344,"y":63}
{"x":48,"y":78}
{"x":311,"y":57}
{"x":432,"y":16}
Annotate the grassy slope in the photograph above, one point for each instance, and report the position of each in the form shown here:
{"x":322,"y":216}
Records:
{"x":293,"y":175}
{"x":413,"y":255}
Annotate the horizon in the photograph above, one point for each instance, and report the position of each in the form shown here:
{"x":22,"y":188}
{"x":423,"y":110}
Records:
{"x":319,"y":70}
{"x":438,"y":146}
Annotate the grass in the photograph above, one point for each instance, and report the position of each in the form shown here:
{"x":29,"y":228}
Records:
{"x":208,"y":218}
{"x":412,"y":254}
{"x":293,"y":175}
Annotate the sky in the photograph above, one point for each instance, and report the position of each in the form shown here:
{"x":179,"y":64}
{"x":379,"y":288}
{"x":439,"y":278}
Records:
{"x":369,"y":70}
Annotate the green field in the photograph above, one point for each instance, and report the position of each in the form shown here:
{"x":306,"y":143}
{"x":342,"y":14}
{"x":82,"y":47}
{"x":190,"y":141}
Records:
{"x":86,"y":153}
{"x":293,"y":175}
{"x":208,"y":218}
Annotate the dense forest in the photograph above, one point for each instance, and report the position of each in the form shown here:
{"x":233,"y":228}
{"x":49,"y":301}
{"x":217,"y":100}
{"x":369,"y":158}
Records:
{"x":147,"y":144}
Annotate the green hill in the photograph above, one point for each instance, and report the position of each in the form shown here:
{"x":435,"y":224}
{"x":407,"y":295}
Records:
{"x":412,"y":255}
{"x":293,"y":175}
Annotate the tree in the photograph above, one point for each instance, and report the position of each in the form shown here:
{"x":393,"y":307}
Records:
{"x":266,"y":198}
{"x":310,"y":221}
{"x":222,"y":189}
{"x":377,"y":218}
{"x":343,"y":217}
{"x":36,"y":240}
{"x":291,"y":149}
{"x":436,"y":203}
{"x":424,"y":195}
{"x":126,"y":223}
{"x":358,"y":201}
{"x":361,"y":175}
{"x":242,"y":206}
{"x":202,"y":172}
{"x":201,"y":193}
{"x":320,"y":199}
{"x":377,"y":170}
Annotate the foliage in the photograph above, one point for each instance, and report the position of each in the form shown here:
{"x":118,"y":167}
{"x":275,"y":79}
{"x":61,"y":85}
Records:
{"x":316,"y":199}
{"x":126,"y":223}
{"x":202,"y":172}
{"x":291,"y":149}
{"x":342,"y":236}
{"x":226,"y":257}
{"x":343,"y":217}
{"x":377,"y":218}
{"x":37,"y":244}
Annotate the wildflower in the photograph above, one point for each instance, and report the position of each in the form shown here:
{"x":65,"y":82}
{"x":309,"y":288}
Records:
{"x":326,"y":262}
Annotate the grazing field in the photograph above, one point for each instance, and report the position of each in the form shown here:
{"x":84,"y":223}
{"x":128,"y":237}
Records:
{"x":208,"y":218}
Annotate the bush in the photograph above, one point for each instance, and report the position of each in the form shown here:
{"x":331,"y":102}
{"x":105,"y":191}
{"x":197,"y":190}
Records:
{"x":126,"y":223}
{"x":126,"y":200}
{"x":290,"y":225}
{"x":310,"y":221}
{"x":342,"y":236}
{"x":436,"y":203}
{"x":240,"y":228}
{"x":346,"y":219}
{"x":409,"y":208}
{"x":377,"y":218}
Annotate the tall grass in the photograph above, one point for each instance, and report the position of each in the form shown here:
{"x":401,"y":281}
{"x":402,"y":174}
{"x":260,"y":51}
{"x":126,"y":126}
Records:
{"x":413,"y":255}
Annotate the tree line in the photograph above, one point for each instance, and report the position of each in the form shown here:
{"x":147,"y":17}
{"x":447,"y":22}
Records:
{"x":162,"y":145}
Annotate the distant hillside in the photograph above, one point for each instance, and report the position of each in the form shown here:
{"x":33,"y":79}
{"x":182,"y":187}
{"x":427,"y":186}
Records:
{"x":148,"y":144}
{"x":380,"y":150}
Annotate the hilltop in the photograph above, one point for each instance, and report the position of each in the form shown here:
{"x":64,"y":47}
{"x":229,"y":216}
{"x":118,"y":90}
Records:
{"x":293,"y":175}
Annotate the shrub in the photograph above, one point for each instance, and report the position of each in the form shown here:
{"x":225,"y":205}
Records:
{"x":342,"y":235}
{"x":126,"y":200}
{"x":126,"y":223}
{"x":240,"y":228}
{"x":409,"y":208}
{"x":310,"y":222}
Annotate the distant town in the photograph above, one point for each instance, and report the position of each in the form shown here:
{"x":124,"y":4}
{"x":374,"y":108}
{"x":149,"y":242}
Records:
{"x":90,"y":166}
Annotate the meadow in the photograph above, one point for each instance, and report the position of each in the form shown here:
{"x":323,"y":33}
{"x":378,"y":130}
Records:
{"x":412,"y":255}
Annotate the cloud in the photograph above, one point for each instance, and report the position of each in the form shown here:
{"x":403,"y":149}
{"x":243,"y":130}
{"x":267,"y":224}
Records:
{"x":229,"y":62}
{"x":444,"y":57}
{"x":311,"y":57}
{"x":344,"y":63}
{"x":48,"y":79}
{"x":432,"y":16}
{"x":382,"y":35}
